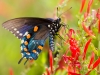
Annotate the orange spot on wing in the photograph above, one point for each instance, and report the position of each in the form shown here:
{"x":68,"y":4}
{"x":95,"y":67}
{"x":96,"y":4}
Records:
{"x":26,"y":43}
{"x":34,"y":51}
{"x":28,"y":36}
{"x":40,"y":47}
{"x":35,"y":28}
{"x":25,"y":49}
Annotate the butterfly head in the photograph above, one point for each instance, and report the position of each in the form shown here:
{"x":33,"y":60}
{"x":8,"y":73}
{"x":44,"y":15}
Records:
{"x":58,"y":20}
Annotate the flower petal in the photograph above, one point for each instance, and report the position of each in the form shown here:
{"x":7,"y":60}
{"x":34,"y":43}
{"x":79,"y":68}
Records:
{"x":86,"y":47}
{"x":11,"y":71}
{"x":87,"y":30}
{"x":51,"y":60}
{"x":71,"y":31}
{"x":82,"y":5}
{"x":96,"y":63}
{"x":91,"y":60}
{"x":89,"y":5}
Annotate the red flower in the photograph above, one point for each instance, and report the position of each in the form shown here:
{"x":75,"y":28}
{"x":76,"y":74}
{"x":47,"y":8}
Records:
{"x":91,"y":60}
{"x":85,"y":15}
{"x":51,"y":60}
{"x":87,"y":30}
{"x":82,"y":5}
{"x":89,"y":5}
{"x":71,"y":31}
{"x":11,"y":71}
{"x":96,"y":63}
{"x":85,"y":48}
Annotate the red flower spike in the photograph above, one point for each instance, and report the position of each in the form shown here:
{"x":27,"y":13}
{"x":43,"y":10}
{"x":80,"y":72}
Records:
{"x":91,"y":60}
{"x":86,"y":47}
{"x":51,"y":60}
{"x":96,"y":63}
{"x":87,"y":30}
{"x":82,"y":5}
{"x":11,"y":71}
{"x":89,"y":5}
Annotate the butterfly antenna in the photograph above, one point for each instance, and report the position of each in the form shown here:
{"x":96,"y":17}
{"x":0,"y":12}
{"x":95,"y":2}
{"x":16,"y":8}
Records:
{"x":57,"y":11}
{"x":26,"y":61}
{"x":60,"y":37}
{"x":65,"y":11}
{"x":20,"y":60}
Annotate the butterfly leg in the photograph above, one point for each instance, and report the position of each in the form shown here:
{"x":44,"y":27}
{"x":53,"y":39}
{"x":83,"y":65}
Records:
{"x":60,"y":37}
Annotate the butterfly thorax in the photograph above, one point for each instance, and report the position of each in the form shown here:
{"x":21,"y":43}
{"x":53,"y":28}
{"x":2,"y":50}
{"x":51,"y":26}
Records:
{"x":55,"y":26}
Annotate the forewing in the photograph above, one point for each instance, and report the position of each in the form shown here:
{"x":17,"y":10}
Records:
{"x":19,"y":26}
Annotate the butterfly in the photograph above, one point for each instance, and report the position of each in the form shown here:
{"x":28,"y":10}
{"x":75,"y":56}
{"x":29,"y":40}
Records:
{"x":33,"y":32}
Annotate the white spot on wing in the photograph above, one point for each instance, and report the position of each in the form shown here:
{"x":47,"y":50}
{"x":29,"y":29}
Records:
{"x":25,"y":33}
{"x":50,"y":32}
{"x":53,"y":30}
{"x":49,"y":26}
{"x":20,"y":34}
{"x":15,"y":29}
{"x":37,"y":53}
{"x":22,"y":54}
{"x":17,"y":32}
{"x":22,"y":41}
{"x":57,"y":25}
{"x":28,"y":53}
{"x":30,"y":57}
{"x":21,"y":48}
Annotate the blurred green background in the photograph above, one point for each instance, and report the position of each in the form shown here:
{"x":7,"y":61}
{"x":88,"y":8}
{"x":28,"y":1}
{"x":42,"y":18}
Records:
{"x":10,"y":45}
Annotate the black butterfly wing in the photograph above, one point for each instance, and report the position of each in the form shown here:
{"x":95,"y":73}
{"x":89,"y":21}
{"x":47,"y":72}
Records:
{"x":32,"y":41}
{"x":19,"y":26}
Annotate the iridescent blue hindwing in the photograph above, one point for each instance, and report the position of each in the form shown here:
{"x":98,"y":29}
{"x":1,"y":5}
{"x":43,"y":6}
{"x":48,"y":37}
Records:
{"x":33,"y":41}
